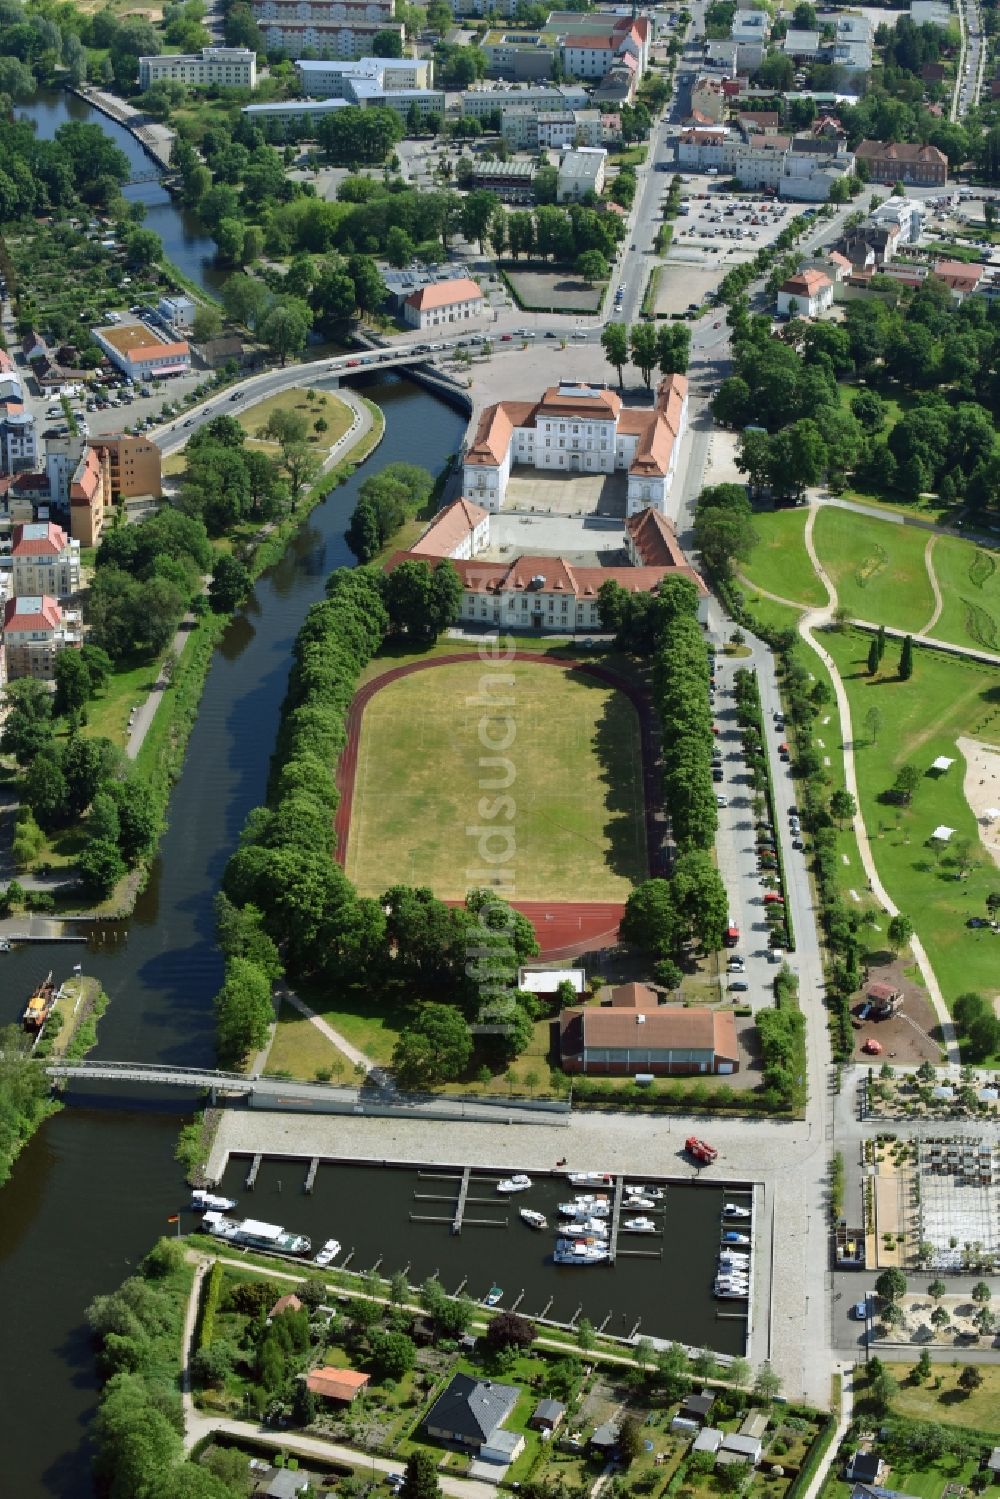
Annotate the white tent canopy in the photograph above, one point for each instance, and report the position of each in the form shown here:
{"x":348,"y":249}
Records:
{"x":942,"y":763}
{"x":989,"y":813}
{"x":942,"y":833}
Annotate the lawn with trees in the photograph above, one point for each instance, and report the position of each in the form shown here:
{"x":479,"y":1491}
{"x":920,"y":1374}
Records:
{"x":938,"y":886}
{"x":877,"y":567}
{"x":420,"y":735}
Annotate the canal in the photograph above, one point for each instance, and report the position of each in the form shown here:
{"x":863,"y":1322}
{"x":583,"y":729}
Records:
{"x":94,"y":1188}
{"x":185,"y":242}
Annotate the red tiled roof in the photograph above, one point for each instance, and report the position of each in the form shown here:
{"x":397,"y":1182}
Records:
{"x":668,"y":1027}
{"x":958,"y":275}
{"x":336,"y":1384}
{"x":15,"y":619}
{"x":449,"y":528}
{"x":655,"y":539}
{"x":444,"y":293}
{"x":49,"y":545}
{"x":288,"y":1303}
{"x":806,"y":283}
{"x":86,"y":479}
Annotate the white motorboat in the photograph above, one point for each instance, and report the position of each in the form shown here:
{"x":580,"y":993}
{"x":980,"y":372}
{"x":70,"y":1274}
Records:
{"x":735,"y":1267}
{"x":255,"y":1234}
{"x":493,"y":1296}
{"x":734,"y":1238}
{"x":727,"y":1293}
{"x":518,"y":1183}
{"x":533,"y":1219}
{"x":655,"y":1193}
{"x":207,"y":1202}
{"x":584,"y":1207}
{"x":733,"y":1210}
{"x":596,"y":1226}
{"x":579,"y":1252}
{"x":733,"y":1257}
{"x":328,"y":1253}
{"x":638,"y":1226}
{"x":590,"y":1179}
{"x":640,"y":1202}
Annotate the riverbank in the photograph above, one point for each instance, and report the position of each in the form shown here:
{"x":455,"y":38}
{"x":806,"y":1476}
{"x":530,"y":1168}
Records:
{"x":155,"y":139}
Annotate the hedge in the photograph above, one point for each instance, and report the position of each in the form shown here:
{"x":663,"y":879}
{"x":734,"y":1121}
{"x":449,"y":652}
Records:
{"x":213,"y":1291}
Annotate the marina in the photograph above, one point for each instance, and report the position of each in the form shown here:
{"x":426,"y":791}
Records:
{"x":466,"y":1226}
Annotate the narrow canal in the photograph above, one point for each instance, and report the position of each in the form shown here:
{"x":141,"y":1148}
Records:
{"x":94,"y":1188}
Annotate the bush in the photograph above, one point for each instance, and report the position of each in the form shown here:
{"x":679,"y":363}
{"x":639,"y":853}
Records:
{"x":210,"y":1303}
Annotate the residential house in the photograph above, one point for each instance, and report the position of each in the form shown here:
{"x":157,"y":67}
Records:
{"x":739,"y":1449}
{"x":442,"y":303}
{"x":801,"y":46}
{"x":471,"y":1415}
{"x":806,"y":294}
{"x":547,"y":1415}
{"x":960,"y":278}
{"x":605,"y":1437}
{"x":890,"y":162}
{"x":869,"y":244}
{"x":709,"y":1439}
{"x":89,"y":496}
{"x":864,"y":1467}
{"x":287,"y":1303}
{"x":758,"y":122}
{"x":698,"y":1407}
{"x":178,"y":311}
{"x":35,"y":630}
{"x":635,"y":1034}
{"x":45,"y":561}
{"x":581,"y":170}
{"x":341,"y":1385}
{"x":33,"y":346}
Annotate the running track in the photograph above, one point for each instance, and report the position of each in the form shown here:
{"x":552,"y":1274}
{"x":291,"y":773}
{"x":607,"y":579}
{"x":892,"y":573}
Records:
{"x":564,"y":929}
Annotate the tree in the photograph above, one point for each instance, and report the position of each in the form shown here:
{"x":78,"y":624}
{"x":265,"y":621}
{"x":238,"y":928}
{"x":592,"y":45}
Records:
{"x":981,"y":1292}
{"x":891,"y":1284}
{"x":873,"y":658}
{"x":968,"y":1008}
{"x":231,"y":582}
{"x":767,"y":1385}
{"x":651,"y":920}
{"x":983,"y":1038}
{"x":435,"y":1048}
{"x":244,"y":1010}
{"x":906,"y":782}
{"x":629,"y":1441}
{"x":73,"y":685}
{"x":478,"y":209}
{"x":394,"y":1354}
{"x":936,"y":1289}
{"x":508,"y":1330}
{"x":873,"y":723}
{"x":101,"y":867}
{"x":700,"y":897}
{"x":586,"y":1337}
{"x":723,"y":537}
{"x":645,"y":350}
{"x":900,"y":930}
{"x":285,"y":327}
{"x":906,"y":660}
{"x":614,"y":342}
{"x":940,"y":1317}
{"x":970,"y":1378}
{"x":842,"y":806}
{"x":592,"y":266}
{"x":922,"y":1368}
{"x":420,"y":1477}
{"x":207,"y":324}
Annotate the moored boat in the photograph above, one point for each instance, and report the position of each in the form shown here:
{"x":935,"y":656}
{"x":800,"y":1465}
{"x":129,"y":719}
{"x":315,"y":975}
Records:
{"x":328,"y":1253}
{"x":579,"y":1252}
{"x":580,"y":1207}
{"x":654,"y":1193}
{"x":39,"y":1007}
{"x":734,"y":1210}
{"x":640,"y":1202}
{"x":533,"y":1219}
{"x":731,"y":1237}
{"x":493,"y":1296}
{"x":590,"y":1179}
{"x":596,"y":1226}
{"x":254,"y":1234}
{"x":208,"y":1202}
{"x":638,"y":1226}
{"x":516,"y":1183}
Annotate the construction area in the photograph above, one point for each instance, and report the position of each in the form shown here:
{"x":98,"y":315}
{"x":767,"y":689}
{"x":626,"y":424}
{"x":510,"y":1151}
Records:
{"x":959,"y":1201}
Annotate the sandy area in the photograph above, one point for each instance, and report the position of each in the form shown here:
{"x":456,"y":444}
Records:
{"x":982,"y":790}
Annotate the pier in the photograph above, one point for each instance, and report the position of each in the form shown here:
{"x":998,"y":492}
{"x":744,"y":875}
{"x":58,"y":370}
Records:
{"x":616,"y":1214}
{"x":310,"y":1181}
{"x":252,"y":1173}
{"x":463,"y":1193}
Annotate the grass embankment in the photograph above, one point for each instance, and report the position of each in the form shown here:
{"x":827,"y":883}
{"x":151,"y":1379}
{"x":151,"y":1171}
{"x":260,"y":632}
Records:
{"x":314,"y":405}
{"x":969,"y":579}
{"x":578,"y":827}
{"x":877,"y":568}
{"x":779,"y":562}
{"x":920,"y":719}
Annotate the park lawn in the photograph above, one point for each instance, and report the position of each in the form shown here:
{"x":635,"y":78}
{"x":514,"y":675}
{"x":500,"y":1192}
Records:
{"x":395,"y":653}
{"x":877,"y":568}
{"x":779,"y":562}
{"x":301,"y":1050}
{"x":576,"y":829}
{"x":950,"y":1405}
{"x":969,"y":579}
{"x":107,"y":713}
{"x":921,"y":719}
{"x":371,"y":1022}
{"x":337,"y":415}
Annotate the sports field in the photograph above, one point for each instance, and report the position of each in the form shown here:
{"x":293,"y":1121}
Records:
{"x":436,"y":754}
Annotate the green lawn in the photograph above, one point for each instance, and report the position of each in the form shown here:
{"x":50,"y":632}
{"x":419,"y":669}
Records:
{"x":107,"y":714}
{"x":921,"y":719}
{"x":969,"y":579}
{"x":979,"y":1411}
{"x":434,"y":753}
{"x":877,"y":567}
{"x":780,"y":563}
{"x":300,"y":1049}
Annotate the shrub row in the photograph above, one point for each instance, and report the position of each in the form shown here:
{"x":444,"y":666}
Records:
{"x":210,"y":1305}
{"x":680,"y":689}
{"x":751,"y":718}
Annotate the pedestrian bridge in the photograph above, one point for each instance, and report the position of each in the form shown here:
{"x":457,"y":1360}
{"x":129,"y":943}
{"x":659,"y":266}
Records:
{"x":377,"y":1096}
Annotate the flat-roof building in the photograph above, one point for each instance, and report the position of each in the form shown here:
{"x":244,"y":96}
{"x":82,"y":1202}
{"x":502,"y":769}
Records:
{"x":212,"y":67}
{"x":582,"y":170}
{"x":142,"y":352}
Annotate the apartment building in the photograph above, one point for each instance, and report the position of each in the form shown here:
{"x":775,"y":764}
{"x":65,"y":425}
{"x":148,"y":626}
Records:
{"x":18,"y":440}
{"x":889,"y":162}
{"x":132,"y":464}
{"x":89,"y":497}
{"x":582,"y":170}
{"x":326,"y":79}
{"x":45,"y":561}
{"x":212,"y":67}
{"x":343,"y":29}
{"x":35,"y":630}
{"x":487,"y":98}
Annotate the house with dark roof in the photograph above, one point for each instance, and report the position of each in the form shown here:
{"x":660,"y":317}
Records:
{"x":864,"y":1467}
{"x":547,"y":1415}
{"x":471,"y":1414}
{"x":697,"y":1407}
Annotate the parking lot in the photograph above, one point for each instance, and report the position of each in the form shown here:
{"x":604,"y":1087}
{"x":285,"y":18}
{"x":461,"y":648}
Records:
{"x":718,"y":221}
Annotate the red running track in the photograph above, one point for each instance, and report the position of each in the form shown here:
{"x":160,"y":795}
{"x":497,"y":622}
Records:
{"x":564,"y":928}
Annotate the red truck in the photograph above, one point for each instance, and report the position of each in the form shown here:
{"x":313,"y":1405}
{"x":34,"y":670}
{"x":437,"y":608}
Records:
{"x":704,"y":1153}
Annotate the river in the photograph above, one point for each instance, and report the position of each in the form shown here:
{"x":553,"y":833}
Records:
{"x":185,"y":242}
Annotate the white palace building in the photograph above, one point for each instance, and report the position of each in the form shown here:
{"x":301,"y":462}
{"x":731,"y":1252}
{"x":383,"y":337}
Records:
{"x":580,"y":429}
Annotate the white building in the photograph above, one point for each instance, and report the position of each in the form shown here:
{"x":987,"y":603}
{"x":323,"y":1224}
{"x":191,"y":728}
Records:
{"x":18,"y":442}
{"x":45,"y":561}
{"x":908,"y":213}
{"x":806,"y":294}
{"x":443,"y":303}
{"x":932,"y":13}
{"x":179,"y":312}
{"x":580,"y":429}
{"x":218,"y":67}
{"x":320,"y":79}
{"x":581,"y":170}
{"x":460,"y":531}
{"x":801,"y":46}
{"x":35,"y":630}
{"x":142,"y":352}
{"x":801,"y":170}
{"x":485,"y":98}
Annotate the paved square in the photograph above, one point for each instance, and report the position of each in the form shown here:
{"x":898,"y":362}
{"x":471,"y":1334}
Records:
{"x":532,"y":490}
{"x":588,"y":540}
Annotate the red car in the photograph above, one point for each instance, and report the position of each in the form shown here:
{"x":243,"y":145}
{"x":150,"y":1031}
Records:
{"x":772,"y":898}
{"x":352,"y":362}
{"x":505,"y":338}
{"x":872,"y":1047}
{"x":701,"y":1150}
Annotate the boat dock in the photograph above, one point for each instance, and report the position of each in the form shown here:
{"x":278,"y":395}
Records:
{"x":252,"y":1173}
{"x":310,"y":1180}
{"x":463,"y":1193}
{"x":616,"y":1214}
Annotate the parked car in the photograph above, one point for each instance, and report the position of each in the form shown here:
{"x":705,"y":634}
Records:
{"x":739,"y":986}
